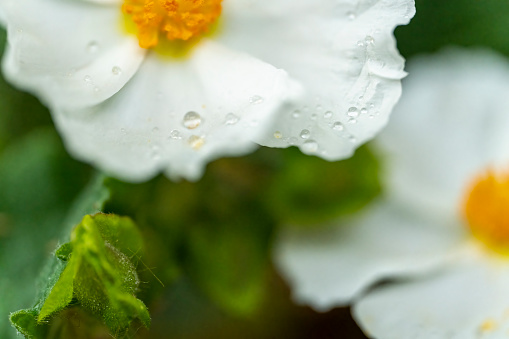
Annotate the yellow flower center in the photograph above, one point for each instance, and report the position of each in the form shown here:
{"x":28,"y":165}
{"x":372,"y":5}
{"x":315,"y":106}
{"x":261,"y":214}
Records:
{"x":173,"y":19}
{"x":487,"y":210}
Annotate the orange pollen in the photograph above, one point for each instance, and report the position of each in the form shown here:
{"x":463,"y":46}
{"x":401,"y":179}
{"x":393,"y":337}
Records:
{"x":173,"y":19}
{"x":487,"y":210}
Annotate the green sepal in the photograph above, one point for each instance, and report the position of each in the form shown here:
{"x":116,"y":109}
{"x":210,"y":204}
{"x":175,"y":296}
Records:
{"x":100,"y":276}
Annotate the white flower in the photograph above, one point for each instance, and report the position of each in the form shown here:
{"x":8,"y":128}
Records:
{"x":269,"y":72}
{"x":441,"y":231}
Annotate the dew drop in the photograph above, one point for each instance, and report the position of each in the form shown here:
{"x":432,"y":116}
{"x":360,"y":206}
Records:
{"x":231,"y":119}
{"x":352,"y":139}
{"x":195,"y":142}
{"x":116,"y":70}
{"x":313,"y":117}
{"x":278,"y":135}
{"x":92,"y":47}
{"x":87,"y":78}
{"x":255,"y":100}
{"x":318,"y":107}
{"x":360,"y":43}
{"x":353,"y":112}
{"x":352,"y":121}
{"x":337,"y":126}
{"x":369,"y":40}
{"x":305,"y":134}
{"x":175,"y":134}
{"x":364,"y":111}
{"x":327,"y":115}
{"x":310,"y":146}
{"x":123,"y":131}
{"x":192,"y":120}
{"x":350,"y":16}
{"x":296,"y":114}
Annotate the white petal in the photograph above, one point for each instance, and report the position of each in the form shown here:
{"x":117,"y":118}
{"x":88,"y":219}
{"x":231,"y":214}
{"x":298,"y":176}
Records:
{"x":106,"y":2}
{"x":3,"y":20}
{"x":130,"y":134}
{"x":65,"y":51}
{"x":343,"y":52}
{"x":468,"y":301}
{"x":451,"y":123}
{"x":329,"y":267}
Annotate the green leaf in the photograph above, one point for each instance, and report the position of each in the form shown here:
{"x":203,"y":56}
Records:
{"x":101,"y":278}
{"x":310,"y":191}
{"x":60,"y":295}
{"x":38,"y":184}
{"x":25,"y":321}
{"x":91,"y":199}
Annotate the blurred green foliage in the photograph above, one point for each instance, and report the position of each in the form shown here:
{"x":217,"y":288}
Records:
{"x":207,"y":271}
{"x":468,"y":23}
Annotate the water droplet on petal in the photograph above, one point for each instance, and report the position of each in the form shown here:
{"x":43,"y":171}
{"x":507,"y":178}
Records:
{"x":350,"y":15}
{"x":87,"y":78}
{"x":369,"y":40}
{"x":175,"y":134}
{"x":278,"y":135}
{"x":364,"y":111}
{"x":327,"y":115}
{"x":192,"y":120}
{"x":353,"y":112}
{"x":313,"y":117}
{"x":352,"y":121}
{"x":352,"y":139}
{"x":310,"y":146}
{"x":231,"y":119}
{"x":116,"y":70}
{"x":337,"y":126}
{"x":195,"y":142}
{"x":255,"y":100}
{"x":123,"y":131}
{"x":305,"y":134}
{"x":92,"y":47}
{"x":296,"y":114}
{"x":293,"y":141}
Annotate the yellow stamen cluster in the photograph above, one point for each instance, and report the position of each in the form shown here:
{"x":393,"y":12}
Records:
{"x":173,"y":19}
{"x":487,"y":210}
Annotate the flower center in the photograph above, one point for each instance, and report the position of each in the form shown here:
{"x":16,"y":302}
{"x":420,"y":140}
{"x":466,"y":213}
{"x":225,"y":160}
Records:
{"x":487,"y":210}
{"x":173,"y":19}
